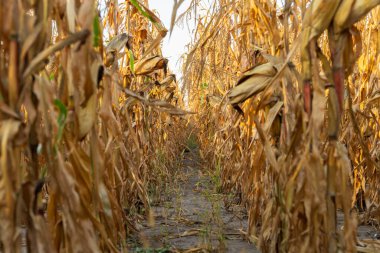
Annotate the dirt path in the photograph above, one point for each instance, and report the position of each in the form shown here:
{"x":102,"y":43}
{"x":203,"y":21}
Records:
{"x":194,"y":218}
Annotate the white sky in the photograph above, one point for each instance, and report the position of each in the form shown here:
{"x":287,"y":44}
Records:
{"x":175,"y":46}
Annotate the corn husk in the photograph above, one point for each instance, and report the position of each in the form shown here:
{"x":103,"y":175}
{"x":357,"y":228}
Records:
{"x":148,"y":65}
{"x":115,"y":45}
{"x":252,"y":82}
{"x":316,"y":20}
{"x":118,"y":42}
{"x":351,"y":11}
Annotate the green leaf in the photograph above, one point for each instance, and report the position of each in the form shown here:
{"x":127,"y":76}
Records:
{"x":96,"y":29}
{"x":43,"y":172}
{"x":202,"y":99}
{"x":141,"y":10}
{"x":204,"y":86}
{"x":61,"y":118}
{"x":131,"y":61}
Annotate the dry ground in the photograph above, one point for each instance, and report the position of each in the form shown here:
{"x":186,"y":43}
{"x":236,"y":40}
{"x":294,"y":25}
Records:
{"x":194,"y":217}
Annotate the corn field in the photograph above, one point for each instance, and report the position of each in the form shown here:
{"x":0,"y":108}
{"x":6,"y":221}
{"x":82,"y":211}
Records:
{"x":284,"y":97}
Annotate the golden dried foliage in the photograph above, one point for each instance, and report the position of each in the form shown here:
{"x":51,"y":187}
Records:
{"x":83,"y":138}
{"x":307,"y":77}
{"x":90,"y":120}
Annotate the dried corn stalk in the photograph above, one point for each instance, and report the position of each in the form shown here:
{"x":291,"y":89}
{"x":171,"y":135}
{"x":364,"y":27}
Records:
{"x":73,"y":167}
{"x":275,"y":158}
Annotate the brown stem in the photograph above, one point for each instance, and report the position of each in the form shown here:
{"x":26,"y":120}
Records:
{"x":307,"y":96}
{"x":339,"y":87}
{"x":13,"y":77}
{"x":331,"y":198}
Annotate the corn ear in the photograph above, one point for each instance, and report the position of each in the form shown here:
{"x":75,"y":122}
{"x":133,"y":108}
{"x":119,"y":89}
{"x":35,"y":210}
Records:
{"x":350,"y":11}
{"x":318,"y":17}
{"x":148,"y":65}
{"x":252,"y":82}
{"x":116,"y":44}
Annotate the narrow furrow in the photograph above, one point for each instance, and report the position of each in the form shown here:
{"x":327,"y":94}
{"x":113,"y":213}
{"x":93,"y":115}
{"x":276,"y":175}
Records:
{"x":194,"y":219}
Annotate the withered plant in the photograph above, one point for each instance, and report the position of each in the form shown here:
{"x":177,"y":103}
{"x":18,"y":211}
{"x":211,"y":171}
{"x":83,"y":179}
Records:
{"x":89,"y":122}
{"x":287,"y":102}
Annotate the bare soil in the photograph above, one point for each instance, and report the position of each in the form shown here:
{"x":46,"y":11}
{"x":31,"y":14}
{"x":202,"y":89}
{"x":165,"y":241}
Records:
{"x":194,"y":218}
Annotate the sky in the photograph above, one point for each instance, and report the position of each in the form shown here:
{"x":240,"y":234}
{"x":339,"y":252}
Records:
{"x":176,"y":45}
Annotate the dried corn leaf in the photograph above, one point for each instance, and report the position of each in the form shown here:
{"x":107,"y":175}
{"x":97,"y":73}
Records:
{"x":87,"y":116}
{"x":168,"y":80}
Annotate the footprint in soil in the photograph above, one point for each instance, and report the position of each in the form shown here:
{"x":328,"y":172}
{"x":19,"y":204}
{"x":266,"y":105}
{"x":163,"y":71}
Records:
{"x":195,"y":219}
